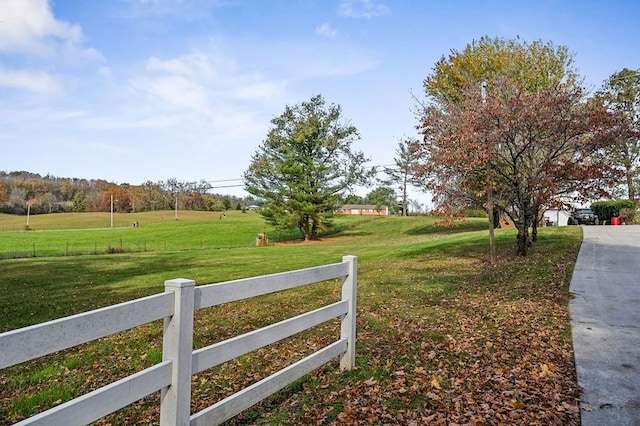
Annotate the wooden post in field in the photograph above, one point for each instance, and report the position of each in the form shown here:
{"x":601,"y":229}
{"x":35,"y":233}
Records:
{"x":348,"y":326}
{"x":177,"y":347}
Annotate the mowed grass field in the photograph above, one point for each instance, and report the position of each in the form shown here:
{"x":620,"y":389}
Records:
{"x":443,"y":337}
{"x":91,"y":233}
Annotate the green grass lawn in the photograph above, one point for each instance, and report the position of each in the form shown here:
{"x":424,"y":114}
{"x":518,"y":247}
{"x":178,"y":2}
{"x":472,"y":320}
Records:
{"x":90,"y":233}
{"x":442,"y":335}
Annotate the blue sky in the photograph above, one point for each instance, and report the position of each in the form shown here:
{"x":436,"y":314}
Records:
{"x":138,"y":90}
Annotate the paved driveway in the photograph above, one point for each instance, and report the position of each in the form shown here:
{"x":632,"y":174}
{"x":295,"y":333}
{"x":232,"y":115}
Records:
{"x":605,"y":323}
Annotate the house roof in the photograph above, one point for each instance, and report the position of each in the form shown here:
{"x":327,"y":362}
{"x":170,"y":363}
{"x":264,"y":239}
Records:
{"x":362,"y":207}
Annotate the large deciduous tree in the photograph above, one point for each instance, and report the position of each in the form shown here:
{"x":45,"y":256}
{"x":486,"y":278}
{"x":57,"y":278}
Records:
{"x":531,"y":66}
{"x":305,"y":165}
{"x":532,"y":137}
{"x":621,"y":93}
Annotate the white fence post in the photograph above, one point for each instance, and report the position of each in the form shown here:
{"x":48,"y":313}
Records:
{"x":348,"y":326}
{"x":177,"y":346}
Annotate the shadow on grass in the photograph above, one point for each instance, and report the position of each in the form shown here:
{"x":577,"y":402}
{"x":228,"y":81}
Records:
{"x":463,"y":262}
{"x":42,"y":289}
{"x":48,"y":288}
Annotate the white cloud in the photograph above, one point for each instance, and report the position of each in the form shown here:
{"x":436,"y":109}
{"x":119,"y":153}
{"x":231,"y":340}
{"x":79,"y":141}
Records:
{"x":175,"y":90}
{"x":326,"y":30}
{"x":362,"y":8}
{"x":184,"y":82}
{"x":199,"y":81}
{"x":193,"y":65}
{"x":33,"y":81}
{"x":205,"y":98}
{"x":29,"y":27}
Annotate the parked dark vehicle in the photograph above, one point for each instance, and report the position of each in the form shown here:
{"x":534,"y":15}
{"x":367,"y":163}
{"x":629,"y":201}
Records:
{"x":583,"y":217}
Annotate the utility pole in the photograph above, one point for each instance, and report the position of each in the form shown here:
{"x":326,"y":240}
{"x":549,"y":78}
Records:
{"x":492,"y":242}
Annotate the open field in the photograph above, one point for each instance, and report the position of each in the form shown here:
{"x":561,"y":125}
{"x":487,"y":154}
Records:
{"x":102,"y":220}
{"x":68,"y":234}
{"x":442,"y":336}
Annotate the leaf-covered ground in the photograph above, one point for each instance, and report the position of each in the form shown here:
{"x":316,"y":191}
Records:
{"x":443,"y":339}
{"x":476,"y":346}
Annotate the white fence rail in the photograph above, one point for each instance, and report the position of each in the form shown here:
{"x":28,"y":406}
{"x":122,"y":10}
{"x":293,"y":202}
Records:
{"x":172,"y":376}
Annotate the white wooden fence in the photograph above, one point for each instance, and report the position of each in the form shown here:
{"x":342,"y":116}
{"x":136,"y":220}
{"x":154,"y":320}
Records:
{"x":172,"y":376}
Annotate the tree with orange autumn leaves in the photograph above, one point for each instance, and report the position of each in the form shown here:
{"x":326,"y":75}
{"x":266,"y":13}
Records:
{"x":531,"y":137}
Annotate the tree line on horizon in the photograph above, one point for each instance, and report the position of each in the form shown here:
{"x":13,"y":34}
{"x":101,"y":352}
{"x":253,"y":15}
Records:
{"x":23,"y":190}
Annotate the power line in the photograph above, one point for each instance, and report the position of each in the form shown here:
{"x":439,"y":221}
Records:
{"x":241,"y":180}
{"x":223,"y":180}
{"x":226,"y":186}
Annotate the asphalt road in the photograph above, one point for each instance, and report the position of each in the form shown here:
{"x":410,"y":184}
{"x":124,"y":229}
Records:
{"x":605,"y":324}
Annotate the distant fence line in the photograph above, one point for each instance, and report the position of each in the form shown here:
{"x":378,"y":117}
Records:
{"x":73,"y":248}
{"x":172,"y":376}
{"x":69,"y":248}
{"x":78,"y":249}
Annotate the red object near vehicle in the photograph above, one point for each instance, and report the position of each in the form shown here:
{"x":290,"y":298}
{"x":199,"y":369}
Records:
{"x":615,"y":221}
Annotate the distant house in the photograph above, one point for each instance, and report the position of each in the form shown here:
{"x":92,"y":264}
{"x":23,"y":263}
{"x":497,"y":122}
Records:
{"x":364,"y":210}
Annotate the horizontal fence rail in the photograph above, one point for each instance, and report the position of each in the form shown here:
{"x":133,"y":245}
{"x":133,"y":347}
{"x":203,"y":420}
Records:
{"x":227,"y":350}
{"x":172,"y":376}
{"x":38,"y":340}
{"x":107,"y":399}
{"x":236,"y":403}
{"x":230,"y":291}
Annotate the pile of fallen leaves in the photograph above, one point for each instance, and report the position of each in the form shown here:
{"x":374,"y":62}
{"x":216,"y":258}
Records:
{"x":493,"y":362}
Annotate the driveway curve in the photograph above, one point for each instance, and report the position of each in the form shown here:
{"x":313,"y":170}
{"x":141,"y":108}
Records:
{"x":605,"y":324}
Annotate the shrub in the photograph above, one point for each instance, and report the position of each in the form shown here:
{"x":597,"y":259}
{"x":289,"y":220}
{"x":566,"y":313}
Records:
{"x":608,"y":209}
{"x":628,"y":215}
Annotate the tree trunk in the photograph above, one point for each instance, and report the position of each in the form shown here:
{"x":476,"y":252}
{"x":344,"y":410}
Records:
{"x":534,"y":225}
{"x":630,"y":185}
{"x":303,"y":225}
{"x":534,"y":232}
{"x":522,"y":245}
{"x":404,"y":197}
{"x":523,"y":234}
{"x":529,"y":225}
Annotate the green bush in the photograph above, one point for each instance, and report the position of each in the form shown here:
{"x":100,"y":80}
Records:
{"x":608,"y":209}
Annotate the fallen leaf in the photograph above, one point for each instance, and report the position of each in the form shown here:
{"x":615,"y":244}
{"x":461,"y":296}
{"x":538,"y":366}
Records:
{"x":435,"y":382}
